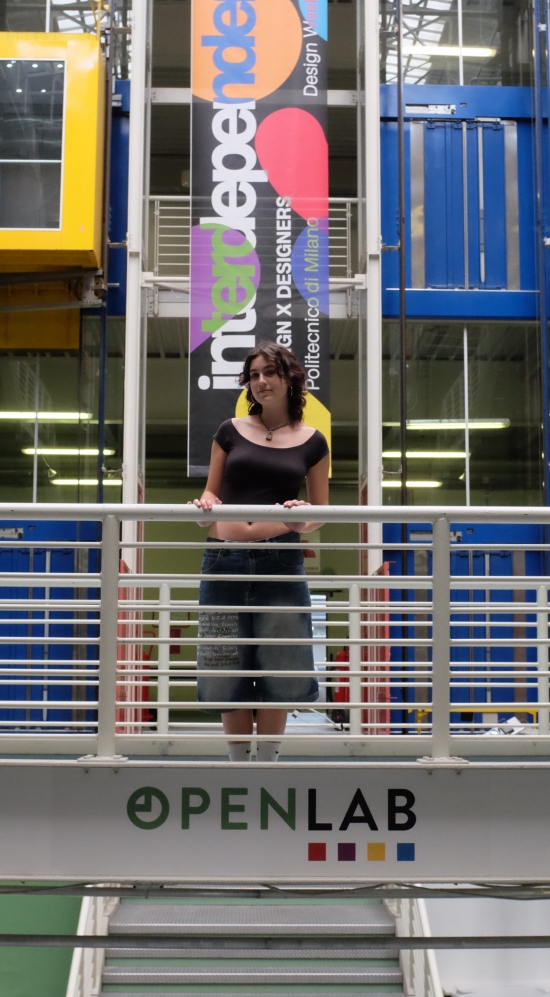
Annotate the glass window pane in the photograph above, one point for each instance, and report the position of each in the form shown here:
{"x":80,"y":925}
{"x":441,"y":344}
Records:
{"x":72,"y":16}
{"x":31,"y":142}
{"x":28,"y":16}
{"x":30,"y":195}
{"x":430,"y":42}
{"x":504,"y":374}
{"x":504,"y":413}
{"x":496,"y":38}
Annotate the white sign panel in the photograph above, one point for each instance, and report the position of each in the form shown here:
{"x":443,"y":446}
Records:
{"x":258,"y":824}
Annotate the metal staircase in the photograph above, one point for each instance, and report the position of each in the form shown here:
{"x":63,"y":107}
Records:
{"x":244,"y":946}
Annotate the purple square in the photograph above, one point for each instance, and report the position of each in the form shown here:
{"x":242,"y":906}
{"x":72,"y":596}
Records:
{"x":346,"y":851}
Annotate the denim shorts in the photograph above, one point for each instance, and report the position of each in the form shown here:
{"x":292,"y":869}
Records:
{"x":212,"y":659}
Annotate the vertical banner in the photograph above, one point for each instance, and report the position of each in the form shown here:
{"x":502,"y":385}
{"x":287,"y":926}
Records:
{"x":259,"y":207}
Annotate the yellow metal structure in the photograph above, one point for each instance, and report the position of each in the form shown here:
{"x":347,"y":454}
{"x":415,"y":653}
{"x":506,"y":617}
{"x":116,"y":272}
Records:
{"x":78,"y":241}
{"x":39,"y":329}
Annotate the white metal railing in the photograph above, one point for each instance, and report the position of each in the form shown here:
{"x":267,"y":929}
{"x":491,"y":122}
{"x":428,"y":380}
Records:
{"x":104,"y":662}
{"x":170,"y":229}
{"x":87,"y":963}
{"x":419,"y":966}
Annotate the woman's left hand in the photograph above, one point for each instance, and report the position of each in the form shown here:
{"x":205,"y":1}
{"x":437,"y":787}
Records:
{"x":294,"y":504}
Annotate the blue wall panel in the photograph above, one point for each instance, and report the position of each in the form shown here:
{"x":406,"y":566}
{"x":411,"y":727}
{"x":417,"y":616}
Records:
{"x":18,"y":624}
{"x":495,"y":206}
{"x":446,"y":294}
{"x":475,"y":693}
{"x":435,"y":204}
{"x":527,"y":207}
{"x":118,"y":200}
{"x":389,"y":208}
{"x":472,"y":159}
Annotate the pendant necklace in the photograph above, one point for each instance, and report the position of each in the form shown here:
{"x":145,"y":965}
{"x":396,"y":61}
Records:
{"x":274,"y":429}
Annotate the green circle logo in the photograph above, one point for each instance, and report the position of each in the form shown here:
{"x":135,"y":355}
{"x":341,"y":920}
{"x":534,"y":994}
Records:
{"x":141,"y":802}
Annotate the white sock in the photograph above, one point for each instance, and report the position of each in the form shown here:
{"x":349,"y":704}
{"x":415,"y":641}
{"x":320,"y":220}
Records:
{"x":268,"y":751}
{"x":240,"y":751}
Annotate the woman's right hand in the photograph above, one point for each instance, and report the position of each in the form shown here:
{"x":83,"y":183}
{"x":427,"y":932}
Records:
{"x":206,"y":503}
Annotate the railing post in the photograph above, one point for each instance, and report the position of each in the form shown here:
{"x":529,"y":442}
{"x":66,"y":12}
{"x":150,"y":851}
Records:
{"x":441,"y":635}
{"x":355,"y":659}
{"x":108,"y":633}
{"x":542,"y":659}
{"x":163,"y":684}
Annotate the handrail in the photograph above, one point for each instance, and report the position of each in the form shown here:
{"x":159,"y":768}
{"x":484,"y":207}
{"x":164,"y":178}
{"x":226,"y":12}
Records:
{"x":419,"y":967}
{"x":87,"y":963}
{"x":433,"y":661}
{"x":275,"y":513}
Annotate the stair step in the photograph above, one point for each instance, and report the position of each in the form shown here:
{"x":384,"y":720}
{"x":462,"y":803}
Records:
{"x":318,"y":992}
{"x":282,"y":920}
{"x":247,"y":949}
{"x":253,"y":975}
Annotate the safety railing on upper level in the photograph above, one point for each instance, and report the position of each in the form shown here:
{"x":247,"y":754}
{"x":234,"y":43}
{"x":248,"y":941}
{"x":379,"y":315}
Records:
{"x":409,"y":664}
{"x":170,"y":232}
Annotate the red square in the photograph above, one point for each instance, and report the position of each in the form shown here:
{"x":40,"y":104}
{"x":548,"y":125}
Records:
{"x":317,"y":851}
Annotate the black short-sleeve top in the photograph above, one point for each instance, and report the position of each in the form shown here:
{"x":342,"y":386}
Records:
{"x":258,"y":475}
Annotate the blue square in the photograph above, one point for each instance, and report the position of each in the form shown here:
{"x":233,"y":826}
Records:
{"x":405,"y":852}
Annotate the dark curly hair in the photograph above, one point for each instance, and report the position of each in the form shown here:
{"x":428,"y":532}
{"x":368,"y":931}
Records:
{"x":288,"y":367}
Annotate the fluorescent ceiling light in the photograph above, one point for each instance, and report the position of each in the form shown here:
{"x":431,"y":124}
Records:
{"x":73,"y":482}
{"x":65,"y":452}
{"x":412,"y":484}
{"x":46,"y":416}
{"x":427,"y":454}
{"x":435,"y":424}
{"x":468,"y":51}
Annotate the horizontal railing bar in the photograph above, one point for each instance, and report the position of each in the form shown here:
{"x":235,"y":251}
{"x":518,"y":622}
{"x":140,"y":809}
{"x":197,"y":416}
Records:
{"x":253,"y":545}
{"x":257,"y":704}
{"x":43,"y":705}
{"x":504,"y":706}
{"x":45,"y":663}
{"x":274,"y":641}
{"x":74,"y":683}
{"x":333,"y":731}
{"x":391,"y":623}
{"x":193,"y":580}
{"x":272,"y":513}
{"x":79,"y":641}
{"x":48,"y":704}
{"x":8,"y":544}
{"x":334,"y":608}
{"x":69,"y":621}
{"x":408,"y":582}
{"x":339,"y":669}
{"x":26,"y":580}
{"x":332,"y":679}
{"x":328,"y":682}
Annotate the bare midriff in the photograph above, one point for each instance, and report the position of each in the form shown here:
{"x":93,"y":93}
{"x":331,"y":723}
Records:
{"x":247,"y":531}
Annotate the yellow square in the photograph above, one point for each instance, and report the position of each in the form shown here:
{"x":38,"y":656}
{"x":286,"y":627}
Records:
{"x":376,"y":851}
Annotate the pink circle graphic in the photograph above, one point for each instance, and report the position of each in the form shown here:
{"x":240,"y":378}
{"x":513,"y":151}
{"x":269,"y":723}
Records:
{"x":293,"y":149}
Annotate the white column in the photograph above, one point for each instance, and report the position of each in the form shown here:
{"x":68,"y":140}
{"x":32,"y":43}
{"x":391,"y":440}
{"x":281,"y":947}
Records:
{"x":542,"y":659}
{"x":133,"y":410}
{"x":163,"y":681}
{"x":441,"y":639}
{"x":370,"y":394}
{"x":108,"y":639}
{"x":355,"y":661}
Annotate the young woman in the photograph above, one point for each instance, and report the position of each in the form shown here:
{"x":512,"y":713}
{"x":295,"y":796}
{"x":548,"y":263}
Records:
{"x":262,"y":459}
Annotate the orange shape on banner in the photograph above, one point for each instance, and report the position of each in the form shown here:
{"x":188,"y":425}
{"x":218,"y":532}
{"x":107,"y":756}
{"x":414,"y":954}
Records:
{"x":277,"y":45}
